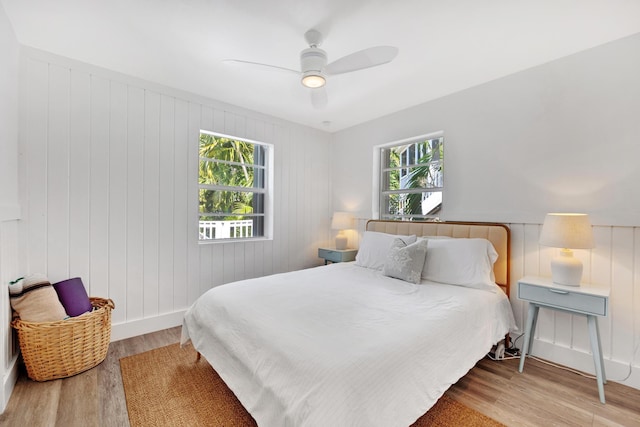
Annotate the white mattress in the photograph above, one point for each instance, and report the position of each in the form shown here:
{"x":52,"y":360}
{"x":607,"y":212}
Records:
{"x":342,"y":345}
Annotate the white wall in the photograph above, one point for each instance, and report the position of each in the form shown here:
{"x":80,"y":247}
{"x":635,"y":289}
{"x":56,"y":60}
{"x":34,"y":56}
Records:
{"x":9,"y":207}
{"x":563,"y":136}
{"x":110,"y":165}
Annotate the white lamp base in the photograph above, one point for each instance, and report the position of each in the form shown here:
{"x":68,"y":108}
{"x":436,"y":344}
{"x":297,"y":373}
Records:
{"x":341,"y":240}
{"x":565,"y":269}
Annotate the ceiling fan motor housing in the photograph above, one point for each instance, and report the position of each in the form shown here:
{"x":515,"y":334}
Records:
{"x":313,"y":59}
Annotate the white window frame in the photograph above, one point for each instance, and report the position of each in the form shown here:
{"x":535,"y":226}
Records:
{"x":266,"y":190}
{"x":378,"y":169}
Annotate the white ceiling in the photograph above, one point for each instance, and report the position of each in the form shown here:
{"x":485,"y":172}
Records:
{"x":445,"y":45}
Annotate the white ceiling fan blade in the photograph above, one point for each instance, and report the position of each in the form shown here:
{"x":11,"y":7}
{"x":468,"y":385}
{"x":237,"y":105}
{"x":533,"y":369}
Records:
{"x":258,"y":64}
{"x":319,"y":99}
{"x":362,"y":59}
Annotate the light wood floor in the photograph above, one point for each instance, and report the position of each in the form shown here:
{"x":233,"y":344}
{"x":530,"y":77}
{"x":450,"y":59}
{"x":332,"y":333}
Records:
{"x":541,"y":396}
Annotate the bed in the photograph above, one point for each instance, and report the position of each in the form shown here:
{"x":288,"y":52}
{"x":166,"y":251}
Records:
{"x":375,"y":342}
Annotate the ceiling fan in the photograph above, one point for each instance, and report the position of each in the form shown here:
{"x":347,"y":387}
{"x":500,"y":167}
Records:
{"x":314,"y":69}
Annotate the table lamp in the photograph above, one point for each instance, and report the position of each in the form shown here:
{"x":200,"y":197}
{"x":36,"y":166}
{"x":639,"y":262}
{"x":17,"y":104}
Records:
{"x":567,"y":231}
{"x":341,"y":221}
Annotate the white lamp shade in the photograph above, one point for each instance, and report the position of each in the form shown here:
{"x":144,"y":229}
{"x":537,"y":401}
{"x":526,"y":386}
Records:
{"x":567,"y":230}
{"x":342,"y":221}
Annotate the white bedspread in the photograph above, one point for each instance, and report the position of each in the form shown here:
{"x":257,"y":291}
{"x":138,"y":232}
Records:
{"x":342,"y":345}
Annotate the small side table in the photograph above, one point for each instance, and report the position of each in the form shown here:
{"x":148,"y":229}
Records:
{"x":337,"y":255}
{"x":589,"y":302}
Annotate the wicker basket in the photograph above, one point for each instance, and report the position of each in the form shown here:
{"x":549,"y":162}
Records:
{"x":60,"y":349}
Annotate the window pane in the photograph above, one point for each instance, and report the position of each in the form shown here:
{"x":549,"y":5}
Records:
{"x":411,"y":205}
{"x":229,"y":162}
{"x":215,"y":173}
{"x":412,"y":166}
{"x":425,"y":176}
{"x":391,"y":180}
{"x":230,"y":202}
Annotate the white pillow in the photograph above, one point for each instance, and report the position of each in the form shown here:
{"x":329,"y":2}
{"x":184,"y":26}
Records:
{"x":462,"y":262}
{"x":405,"y":262}
{"x":375,"y":246}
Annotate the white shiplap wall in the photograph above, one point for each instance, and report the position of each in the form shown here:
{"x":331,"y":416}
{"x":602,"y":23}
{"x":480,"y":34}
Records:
{"x":109,"y":168}
{"x":9,"y":271}
{"x":9,"y":207}
{"x":563,"y":338}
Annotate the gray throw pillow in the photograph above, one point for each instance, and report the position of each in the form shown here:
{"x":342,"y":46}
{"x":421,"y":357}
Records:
{"x":404,"y":261}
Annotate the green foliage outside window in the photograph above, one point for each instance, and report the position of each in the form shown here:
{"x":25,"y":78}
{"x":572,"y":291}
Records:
{"x":411,"y":173}
{"x":228,"y":163}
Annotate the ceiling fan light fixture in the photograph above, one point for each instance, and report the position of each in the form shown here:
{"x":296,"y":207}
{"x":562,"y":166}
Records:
{"x":313,"y":79}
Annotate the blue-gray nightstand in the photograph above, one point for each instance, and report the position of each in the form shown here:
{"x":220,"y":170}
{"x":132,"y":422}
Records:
{"x":584,"y":300}
{"x":337,"y":255}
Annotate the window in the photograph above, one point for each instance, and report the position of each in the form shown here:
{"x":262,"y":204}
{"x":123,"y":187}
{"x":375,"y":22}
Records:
{"x":234,"y":176}
{"x":411,"y":178}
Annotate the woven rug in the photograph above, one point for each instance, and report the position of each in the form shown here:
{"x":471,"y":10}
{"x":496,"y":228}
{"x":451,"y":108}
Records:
{"x":167,"y":387}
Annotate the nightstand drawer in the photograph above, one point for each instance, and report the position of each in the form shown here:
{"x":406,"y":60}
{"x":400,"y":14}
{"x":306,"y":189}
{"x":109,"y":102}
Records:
{"x":336,"y":255}
{"x":563,"y":298}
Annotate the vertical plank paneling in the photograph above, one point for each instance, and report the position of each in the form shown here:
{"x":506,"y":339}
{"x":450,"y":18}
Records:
{"x":295,"y":170}
{"x":215,"y":121}
{"x":517,"y":271}
{"x":622,"y":293}
{"x":180,"y":204}
{"x":217,"y":266}
{"x":36,"y":166}
{"x":118,"y":199}
{"x":206,"y":267}
{"x":151,"y":197}
{"x":579,"y":338}
{"x":239,"y":260}
{"x":57,"y":174}
{"x":193,"y":281}
{"x":635,"y":358}
{"x":135,"y":208}
{"x":601,"y":267}
{"x":228,"y":256}
{"x":166,"y":204}
{"x":249,"y":260}
{"x":79,"y":175}
{"x":284,"y":207}
{"x":9,"y":270}
{"x":99,"y":187}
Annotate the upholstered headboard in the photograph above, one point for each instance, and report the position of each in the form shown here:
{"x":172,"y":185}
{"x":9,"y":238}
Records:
{"x":498,"y":234}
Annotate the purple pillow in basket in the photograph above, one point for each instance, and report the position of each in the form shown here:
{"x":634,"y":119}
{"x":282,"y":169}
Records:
{"x":73,"y":296}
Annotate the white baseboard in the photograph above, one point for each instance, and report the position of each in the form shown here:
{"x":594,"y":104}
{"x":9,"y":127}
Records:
{"x":615,"y":371}
{"x":8,"y":383}
{"x":135,"y":328}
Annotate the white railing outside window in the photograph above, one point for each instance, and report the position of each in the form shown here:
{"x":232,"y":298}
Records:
{"x":225,"y":229}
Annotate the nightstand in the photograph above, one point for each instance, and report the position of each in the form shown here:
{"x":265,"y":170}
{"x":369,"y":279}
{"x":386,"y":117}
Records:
{"x":583,"y":300}
{"x":337,"y":255}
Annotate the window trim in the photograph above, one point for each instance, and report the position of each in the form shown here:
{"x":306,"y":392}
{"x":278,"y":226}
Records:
{"x":378,"y":170}
{"x":267,"y":189}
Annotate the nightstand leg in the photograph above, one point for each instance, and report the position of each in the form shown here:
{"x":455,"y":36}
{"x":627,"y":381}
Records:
{"x":596,"y":349}
{"x":532,"y":319}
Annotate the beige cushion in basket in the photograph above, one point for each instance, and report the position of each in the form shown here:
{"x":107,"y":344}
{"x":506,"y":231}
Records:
{"x":35,"y":300}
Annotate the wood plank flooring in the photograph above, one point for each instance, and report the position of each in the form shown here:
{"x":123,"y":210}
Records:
{"x":541,"y":396}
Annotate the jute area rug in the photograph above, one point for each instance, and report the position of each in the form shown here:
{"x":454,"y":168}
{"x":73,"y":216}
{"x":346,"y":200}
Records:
{"x":167,"y":387}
